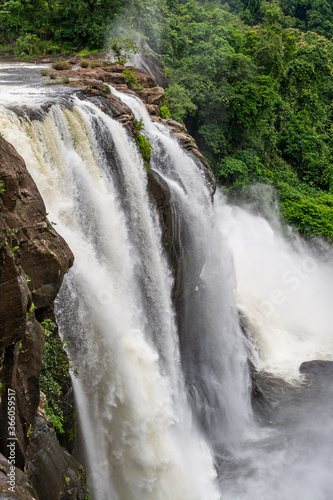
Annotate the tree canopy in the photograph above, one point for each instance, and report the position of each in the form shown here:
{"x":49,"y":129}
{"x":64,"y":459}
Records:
{"x":251,"y":79}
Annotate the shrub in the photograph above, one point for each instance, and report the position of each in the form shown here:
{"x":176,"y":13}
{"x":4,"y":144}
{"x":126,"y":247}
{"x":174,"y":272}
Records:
{"x":64,"y":79}
{"x":165,"y":113}
{"x":106,"y":89}
{"x":138,"y":124}
{"x":44,"y":72}
{"x":54,"y":373}
{"x":132,"y":80}
{"x":47,"y":47}
{"x":52,"y":75}
{"x":98,"y":63}
{"x":144,"y":148}
{"x":61,"y":65}
{"x":84,"y":63}
{"x":27,"y":44}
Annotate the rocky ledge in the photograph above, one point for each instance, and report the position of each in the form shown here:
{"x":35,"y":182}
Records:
{"x":92,"y":82}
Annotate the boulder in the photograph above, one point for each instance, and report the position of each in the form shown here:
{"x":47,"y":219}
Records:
{"x":155,"y":95}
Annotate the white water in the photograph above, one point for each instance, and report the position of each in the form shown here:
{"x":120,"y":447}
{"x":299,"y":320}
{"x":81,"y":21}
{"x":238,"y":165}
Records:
{"x":284,"y":290}
{"x":213,"y":354}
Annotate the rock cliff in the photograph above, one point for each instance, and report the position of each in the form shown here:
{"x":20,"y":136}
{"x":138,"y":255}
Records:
{"x":33,"y":261}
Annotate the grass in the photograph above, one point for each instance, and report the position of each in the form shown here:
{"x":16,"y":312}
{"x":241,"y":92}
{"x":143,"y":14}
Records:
{"x":61,"y":65}
{"x":84,"y":63}
{"x":86,"y":52}
{"x":96,"y":64}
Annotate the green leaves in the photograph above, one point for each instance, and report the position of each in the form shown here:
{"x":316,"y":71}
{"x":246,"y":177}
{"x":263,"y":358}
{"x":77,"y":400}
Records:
{"x":54,"y":372}
{"x":120,"y":49}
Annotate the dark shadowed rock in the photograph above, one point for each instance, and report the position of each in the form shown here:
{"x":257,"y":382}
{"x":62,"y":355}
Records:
{"x":317,"y":368}
{"x":54,"y":473}
{"x":23,"y":489}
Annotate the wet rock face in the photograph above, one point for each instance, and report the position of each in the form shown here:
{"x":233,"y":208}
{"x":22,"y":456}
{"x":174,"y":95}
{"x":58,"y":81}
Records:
{"x":317,"y":369}
{"x":53,"y":472}
{"x":11,"y":475}
{"x":33,"y":261}
{"x":148,"y":62}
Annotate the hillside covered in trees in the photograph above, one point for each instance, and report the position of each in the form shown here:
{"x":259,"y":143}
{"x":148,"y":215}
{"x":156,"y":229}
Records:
{"x":252,"y":81}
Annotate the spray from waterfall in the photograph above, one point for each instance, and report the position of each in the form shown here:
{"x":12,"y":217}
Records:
{"x":284,"y":296}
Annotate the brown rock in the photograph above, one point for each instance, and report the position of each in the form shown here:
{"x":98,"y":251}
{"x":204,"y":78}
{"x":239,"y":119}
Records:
{"x":115,"y":78}
{"x":30,"y":250}
{"x":23,"y":488}
{"x":144,"y":79}
{"x":155,"y":95}
{"x":153,"y":109}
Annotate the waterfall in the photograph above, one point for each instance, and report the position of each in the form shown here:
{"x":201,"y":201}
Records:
{"x":285,"y":295}
{"x":142,"y":439}
{"x":214,"y":359}
{"x":163,"y":388}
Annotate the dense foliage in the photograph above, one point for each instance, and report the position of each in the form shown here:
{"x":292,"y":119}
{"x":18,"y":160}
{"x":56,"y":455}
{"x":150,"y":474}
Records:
{"x":251,"y":79}
{"x":254,"y":86}
{"x":48,"y":24}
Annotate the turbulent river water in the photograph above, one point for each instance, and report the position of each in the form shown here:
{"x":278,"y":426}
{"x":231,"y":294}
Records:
{"x":164,"y":396}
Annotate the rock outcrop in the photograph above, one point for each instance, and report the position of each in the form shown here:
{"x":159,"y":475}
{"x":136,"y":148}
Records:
{"x":33,"y":261}
{"x":66,"y":479}
{"x":317,"y":369}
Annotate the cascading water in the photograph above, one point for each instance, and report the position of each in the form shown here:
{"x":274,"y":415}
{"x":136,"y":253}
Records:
{"x":115,"y":304}
{"x":285,"y":294}
{"x":212,"y":349}
{"x":163,"y":394}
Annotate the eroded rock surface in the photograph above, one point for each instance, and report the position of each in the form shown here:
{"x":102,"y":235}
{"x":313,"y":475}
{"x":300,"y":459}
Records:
{"x":65,"y":478}
{"x":33,"y":261}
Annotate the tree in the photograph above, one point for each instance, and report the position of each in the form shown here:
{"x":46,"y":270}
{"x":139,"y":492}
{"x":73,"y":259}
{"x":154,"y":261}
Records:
{"x":121,"y":49}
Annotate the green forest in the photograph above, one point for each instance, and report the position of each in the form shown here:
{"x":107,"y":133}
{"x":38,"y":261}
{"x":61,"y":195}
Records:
{"x":251,"y":80}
